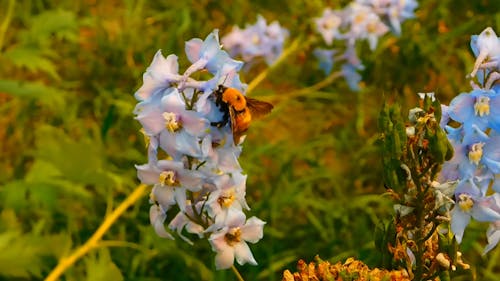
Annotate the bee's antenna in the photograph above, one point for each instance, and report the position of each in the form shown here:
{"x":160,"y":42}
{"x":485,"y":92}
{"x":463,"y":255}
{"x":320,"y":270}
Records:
{"x":227,"y":75}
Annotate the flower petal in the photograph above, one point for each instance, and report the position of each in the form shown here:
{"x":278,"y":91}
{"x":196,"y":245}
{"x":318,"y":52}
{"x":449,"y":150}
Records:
{"x":157,"y":217}
{"x":150,"y":115}
{"x":459,"y":220}
{"x":187,"y":144}
{"x":180,"y":197}
{"x":148,"y":173}
{"x":482,"y":211}
{"x":164,"y":195}
{"x":252,"y":231}
{"x":193,"y":48}
{"x":158,"y":76}
{"x":194,"y":124}
{"x":235,"y":219}
{"x":211,"y":45}
{"x":224,"y":259}
{"x":243,"y":254}
{"x":191,"y":179}
{"x":461,"y":107}
{"x":493,"y":235}
{"x":172,"y":102}
{"x":168,"y":142}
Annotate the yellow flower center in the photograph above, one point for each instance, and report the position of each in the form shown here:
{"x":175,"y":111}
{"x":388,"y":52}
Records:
{"x":171,"y":122}
{"x":360,"y":18}
{"x":226,"y":200}
{"x":476,"y":152}
{"x":371,"y":27}
{"x":331,"y":22}
{"x":168,"y":178}
{"x":255,"y":39}
{"x":465,"y":202}
{"x":233,"y":236}
{"x":482,"y":106}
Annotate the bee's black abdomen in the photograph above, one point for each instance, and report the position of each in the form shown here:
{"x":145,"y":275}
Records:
{"x":223,"y":107}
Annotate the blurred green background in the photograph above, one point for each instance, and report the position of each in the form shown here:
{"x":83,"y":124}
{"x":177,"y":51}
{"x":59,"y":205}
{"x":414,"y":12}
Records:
{"x":69,"y":142}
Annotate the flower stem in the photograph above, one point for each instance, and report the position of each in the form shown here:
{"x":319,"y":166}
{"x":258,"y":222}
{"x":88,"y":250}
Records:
{"x":321,"y":84}
{"x":93,"y":242}
{"x":288,"y":51}
{"x":360,"y":116}
{"x":237,"y":273}
{"x":420,"y":228}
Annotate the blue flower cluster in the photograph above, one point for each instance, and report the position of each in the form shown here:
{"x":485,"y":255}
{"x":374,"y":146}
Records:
{"x":192,"y":163}
{"x":472,"y":122}
{"x":256,"y":41}
{"x":360,"y":20}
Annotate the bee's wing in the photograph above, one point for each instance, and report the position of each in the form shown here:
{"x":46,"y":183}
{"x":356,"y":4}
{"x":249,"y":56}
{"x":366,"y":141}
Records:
{"x":258,"y":108}
{"x":234,"y":126}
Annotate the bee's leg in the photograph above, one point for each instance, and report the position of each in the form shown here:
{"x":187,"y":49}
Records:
{"x":223,"y":122}
{"x":218,"y":124}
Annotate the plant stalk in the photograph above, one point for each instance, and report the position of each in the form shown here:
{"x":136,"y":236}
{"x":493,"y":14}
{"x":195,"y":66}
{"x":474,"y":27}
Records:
{"x":237,"y":273}
{"x":93,"y":242}
{"x":6,"y":21}
{"x":288,"y":51}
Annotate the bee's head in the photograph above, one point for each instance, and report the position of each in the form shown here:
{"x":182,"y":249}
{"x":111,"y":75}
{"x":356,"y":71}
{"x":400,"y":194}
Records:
{"x":234,"y":98}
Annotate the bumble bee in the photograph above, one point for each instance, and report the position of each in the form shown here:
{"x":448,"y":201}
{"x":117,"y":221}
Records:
{"x":238,"y":109}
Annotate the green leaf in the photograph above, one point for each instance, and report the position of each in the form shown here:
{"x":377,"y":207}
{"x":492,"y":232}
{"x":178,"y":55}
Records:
{"x":43,"y":27}
{"x":20,"y":255}
{"x":13,"y":195}
{"x":42,"y":171}
{"x":43,"y":187}
{"x":32,"y":59}
{"x":100,"y":267}
{"x":34,"y":90}
{"x":279,"y":262}
{"x":318,"y":225}
{"x":78,"y":160}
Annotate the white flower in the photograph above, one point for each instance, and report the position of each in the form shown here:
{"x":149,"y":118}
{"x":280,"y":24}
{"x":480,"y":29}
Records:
{"x":230,"y":241}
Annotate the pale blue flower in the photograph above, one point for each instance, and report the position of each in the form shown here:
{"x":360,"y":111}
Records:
{"x":486,"y":48}
{"x":157,"y":217}
{"x":224,"y":158}
{"x":171,"y":181}
{"x":258,"y":40}
{"x":479,"y":107}
{"x":229,"y":197}
{"x":208,"y":55}
{"x":395,"y":11}
{"x":493,"y":236}
{"x":325,"y":58}
{"x":182,"y":221}
{"x":275,"y":39}
{"x":450,"y":170}
{"x":400,"y":11}
{"x":328,"y":25}
{"x":159,"y":76}
{"x":352,"y":76}
{"x":364,"y":24}
{"x":230,"y":242}
{"x":179,"y":130}
{"x":203,"y":179}
{"x":351,"y":67}
{"x":470,"y":204}
{"x":183,"y":128}
{"x":477,"y":155}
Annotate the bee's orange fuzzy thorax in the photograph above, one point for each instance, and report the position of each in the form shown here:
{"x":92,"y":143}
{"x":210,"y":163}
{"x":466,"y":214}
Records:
{"x":234,"y":98}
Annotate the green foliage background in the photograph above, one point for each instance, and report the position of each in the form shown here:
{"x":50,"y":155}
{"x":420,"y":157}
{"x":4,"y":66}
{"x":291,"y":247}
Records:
{"x":68,"y":140}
